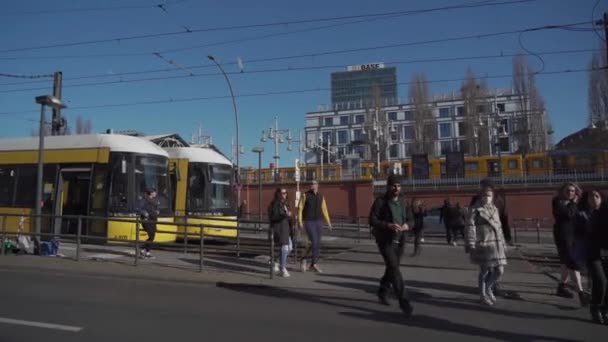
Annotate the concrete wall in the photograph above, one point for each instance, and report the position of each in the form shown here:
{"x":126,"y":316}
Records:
{"x":354,"y":198}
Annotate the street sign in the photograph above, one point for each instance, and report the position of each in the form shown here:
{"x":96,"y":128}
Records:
{"x":297,"y":175}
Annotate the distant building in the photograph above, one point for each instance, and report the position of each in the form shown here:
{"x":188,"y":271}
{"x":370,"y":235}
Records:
{"x":344,"y":130}
{"x":356,"y":87}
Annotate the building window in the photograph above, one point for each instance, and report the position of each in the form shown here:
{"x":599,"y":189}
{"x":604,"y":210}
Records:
{"x":327,"y":137}
{"x":392,"y":116}
{"x":409,"y":133}
{"x":408,"y":115}
{"x":329,"y":121}
{"x":394,"y":151}
{"x":504,"y":144}
{"x":460,"y":111}
{"x":360,"y":150}
{"x":444,"y":112}
{"x":513,"y":164}
{"x":341,"y":152}
{"x":445,"y":130}
{"x":344,"y":120}
{"x":408,"y":149}
{"x":359,"y":118}
{"x":501,"y":107}
{"x":358,"y":134}
{"x":505,"y":126}
{"x":446,"y":146}
{"x":342,"y":137}
{"x":462,"y":129}
{"x":463,"y":146}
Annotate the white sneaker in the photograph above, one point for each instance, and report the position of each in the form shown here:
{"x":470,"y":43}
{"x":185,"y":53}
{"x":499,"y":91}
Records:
{"x":303,"y":266}
{"x":276,"y":268}
{"x":285,"y":273}
{"x":491,"y":296}
{"x":422,"y":240}
{"x":454,"y":244}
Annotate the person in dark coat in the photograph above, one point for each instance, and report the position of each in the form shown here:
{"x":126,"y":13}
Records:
{"x":388,"y":219}
{"x":418,"y":213}
{"x":148,"y":211}
{"x":591,"y":233}
{"x":281,"y":222}
{"x":565,"y":210}
{"x":458,"y":216}
{"x":444,"y":216}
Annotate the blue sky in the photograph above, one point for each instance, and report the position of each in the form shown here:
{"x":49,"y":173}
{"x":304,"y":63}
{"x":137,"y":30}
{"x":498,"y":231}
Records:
{"x":565,"y":94}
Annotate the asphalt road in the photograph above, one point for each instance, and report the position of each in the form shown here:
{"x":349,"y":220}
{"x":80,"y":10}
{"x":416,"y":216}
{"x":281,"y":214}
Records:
{"x":109,"y":308}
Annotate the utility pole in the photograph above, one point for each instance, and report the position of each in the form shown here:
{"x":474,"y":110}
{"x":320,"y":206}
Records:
{"x":58,"y":122}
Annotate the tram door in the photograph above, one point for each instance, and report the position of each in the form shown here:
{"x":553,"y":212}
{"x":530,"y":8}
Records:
{"x":73,"y":189}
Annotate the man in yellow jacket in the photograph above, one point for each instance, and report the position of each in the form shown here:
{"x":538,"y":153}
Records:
{"x":311,"y":210}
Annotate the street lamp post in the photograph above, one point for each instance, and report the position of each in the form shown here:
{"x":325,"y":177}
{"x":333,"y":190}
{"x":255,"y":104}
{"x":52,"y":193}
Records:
{"x":55,"y":103}
{"x":276,"y":134}
{"x":259,"y":151}
{"x":236,"y":120}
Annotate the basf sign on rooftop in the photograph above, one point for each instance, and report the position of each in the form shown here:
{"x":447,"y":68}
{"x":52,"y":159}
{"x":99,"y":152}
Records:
{"x":362,"y":67}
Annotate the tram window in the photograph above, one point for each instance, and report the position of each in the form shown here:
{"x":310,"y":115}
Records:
{"x":537,"y":163}
{"x":221,"y":189}
{"x":196,"y":187}
{"x":99,"y":188}
{"x":7,"y":186}
{"x":26,"y":187}
{"x":151,"y":172}
{"x":119,"y":188}
{"x":513,"y":164}
{"x":471,"y":166}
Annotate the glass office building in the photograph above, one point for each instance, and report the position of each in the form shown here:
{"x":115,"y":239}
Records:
{"x":360,"y":85}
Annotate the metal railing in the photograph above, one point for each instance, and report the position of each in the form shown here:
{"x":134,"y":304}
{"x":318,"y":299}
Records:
{"x":136,"y":243}
{"x":353,"y":229}
{"x":539,"y":226}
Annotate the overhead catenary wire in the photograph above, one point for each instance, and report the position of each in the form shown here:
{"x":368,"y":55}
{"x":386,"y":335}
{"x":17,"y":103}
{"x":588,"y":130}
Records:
{"x":260,"y":25}
{"x":161,"y":6}
{"x":286,"y":92}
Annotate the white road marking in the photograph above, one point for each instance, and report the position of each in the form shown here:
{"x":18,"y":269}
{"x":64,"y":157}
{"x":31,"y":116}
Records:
{"x":40,"y":324}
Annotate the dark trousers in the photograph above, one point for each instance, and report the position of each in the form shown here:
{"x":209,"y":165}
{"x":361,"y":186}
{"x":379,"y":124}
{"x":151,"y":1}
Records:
{"x":391,"y":252}
{"x":506,"y":232}
{"x":458,"y":230}
{"x":313,"y":229}
{"x":150,"y":228}
{"x":598,"y":270}
{"x":448,"y":231}
{"x":418,"y":235}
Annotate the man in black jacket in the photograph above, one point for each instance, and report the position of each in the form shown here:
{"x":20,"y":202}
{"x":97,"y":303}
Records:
{"x":149,"y":212}
{"x":388,"y":218}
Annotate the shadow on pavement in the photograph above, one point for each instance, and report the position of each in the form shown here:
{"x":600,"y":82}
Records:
{"x":422,"y":321}
{"x":231,"y":265}
{"x":462,"y":304}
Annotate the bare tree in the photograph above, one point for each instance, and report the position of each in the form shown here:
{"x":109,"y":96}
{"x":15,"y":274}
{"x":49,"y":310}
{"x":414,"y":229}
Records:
{"x":474,"y":94}
{"x":375,"y":121}
{"x":598,"y":87}
{"x":425,"y":125}
{"x":532,"y":122}
{"x":83,"y":126}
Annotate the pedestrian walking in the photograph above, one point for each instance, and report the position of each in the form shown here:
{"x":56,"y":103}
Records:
{"x":592,"y":237}
{"x":444,"y":216}
{"x":458,"y":216}
{"x":388,"y":219}
{"x":280,"y":222}
{"x":419,"y":213}
{"x":149,"y":213}
{"x":312,"y":210}
{"x":565,"y":210}
{"x":486,"y":244}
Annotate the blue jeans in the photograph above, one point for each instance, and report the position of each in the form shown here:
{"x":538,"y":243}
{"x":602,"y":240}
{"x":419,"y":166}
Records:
{"x":313,"y":229}
{"x":488,"y":277}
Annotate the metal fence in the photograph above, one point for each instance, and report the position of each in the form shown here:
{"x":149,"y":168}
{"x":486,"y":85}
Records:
{"x":353,"y":230}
